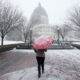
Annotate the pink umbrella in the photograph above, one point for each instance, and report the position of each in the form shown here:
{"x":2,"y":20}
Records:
{"x":42,"y":42}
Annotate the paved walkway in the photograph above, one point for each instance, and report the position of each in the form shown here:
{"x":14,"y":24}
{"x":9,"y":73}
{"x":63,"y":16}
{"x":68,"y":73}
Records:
{"x":15,"y":60}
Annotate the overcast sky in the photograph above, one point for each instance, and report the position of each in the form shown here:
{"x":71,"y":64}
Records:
{"x":57,"y":10}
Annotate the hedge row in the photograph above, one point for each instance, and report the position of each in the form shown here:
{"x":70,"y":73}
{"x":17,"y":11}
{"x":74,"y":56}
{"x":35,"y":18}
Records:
{"x":76,"y":45}
{"x":8,"y":47}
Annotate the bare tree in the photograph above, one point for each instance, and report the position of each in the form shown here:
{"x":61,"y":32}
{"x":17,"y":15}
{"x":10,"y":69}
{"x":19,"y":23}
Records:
{"x":75,"y":17}
{"x":25,"y":30}
{"x":65,"y":30}
{"x":10,"y":19}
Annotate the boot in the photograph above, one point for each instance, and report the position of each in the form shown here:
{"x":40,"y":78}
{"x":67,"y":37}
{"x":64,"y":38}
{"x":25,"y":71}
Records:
{"x":39,"y":75}
{"x":42,"y":71}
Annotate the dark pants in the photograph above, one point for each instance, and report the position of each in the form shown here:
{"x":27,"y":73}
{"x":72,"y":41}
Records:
{"x":40,"y":61}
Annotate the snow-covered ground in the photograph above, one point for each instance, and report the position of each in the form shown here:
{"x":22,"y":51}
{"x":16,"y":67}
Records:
{"x":14,"y":42}
{"x":11,"y":42}
{"x":76,"y":43}
{"x":60,"y":65}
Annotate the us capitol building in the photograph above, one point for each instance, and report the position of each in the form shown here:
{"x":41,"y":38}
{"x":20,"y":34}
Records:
{"x":40,"y":24}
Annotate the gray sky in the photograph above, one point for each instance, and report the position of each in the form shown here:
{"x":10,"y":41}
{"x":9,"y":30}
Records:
{"x":57,"y":10}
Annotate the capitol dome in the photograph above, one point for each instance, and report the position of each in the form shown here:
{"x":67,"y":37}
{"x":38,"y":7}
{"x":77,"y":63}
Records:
{"x":39,"y":16}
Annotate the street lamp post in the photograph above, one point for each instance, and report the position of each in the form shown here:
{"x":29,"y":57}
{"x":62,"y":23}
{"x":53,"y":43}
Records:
{"x":58,"y":35}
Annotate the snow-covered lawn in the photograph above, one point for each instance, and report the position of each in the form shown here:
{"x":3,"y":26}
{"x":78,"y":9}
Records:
{"x":11,"y":42}
{"x":76,"y":43}
{"x":60,"y":65}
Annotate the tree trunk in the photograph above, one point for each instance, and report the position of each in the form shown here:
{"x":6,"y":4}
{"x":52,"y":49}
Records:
{"x":63,"y":39}
{"x":25,"y":40}
{"x":2,"y":39}
{"x":30,"y":36}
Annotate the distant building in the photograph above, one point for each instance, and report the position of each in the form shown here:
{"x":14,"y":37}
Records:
{"x":39,"y":17}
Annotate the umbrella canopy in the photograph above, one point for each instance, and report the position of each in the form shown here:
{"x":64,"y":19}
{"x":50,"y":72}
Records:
{"x":42,"y":42}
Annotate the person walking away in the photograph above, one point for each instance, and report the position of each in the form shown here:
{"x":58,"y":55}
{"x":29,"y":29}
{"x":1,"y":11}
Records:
{"x":40,"y":57}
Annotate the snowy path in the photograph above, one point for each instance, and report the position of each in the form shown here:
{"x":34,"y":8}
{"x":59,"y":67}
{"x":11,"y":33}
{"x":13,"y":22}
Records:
{"x":60,"y":65}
